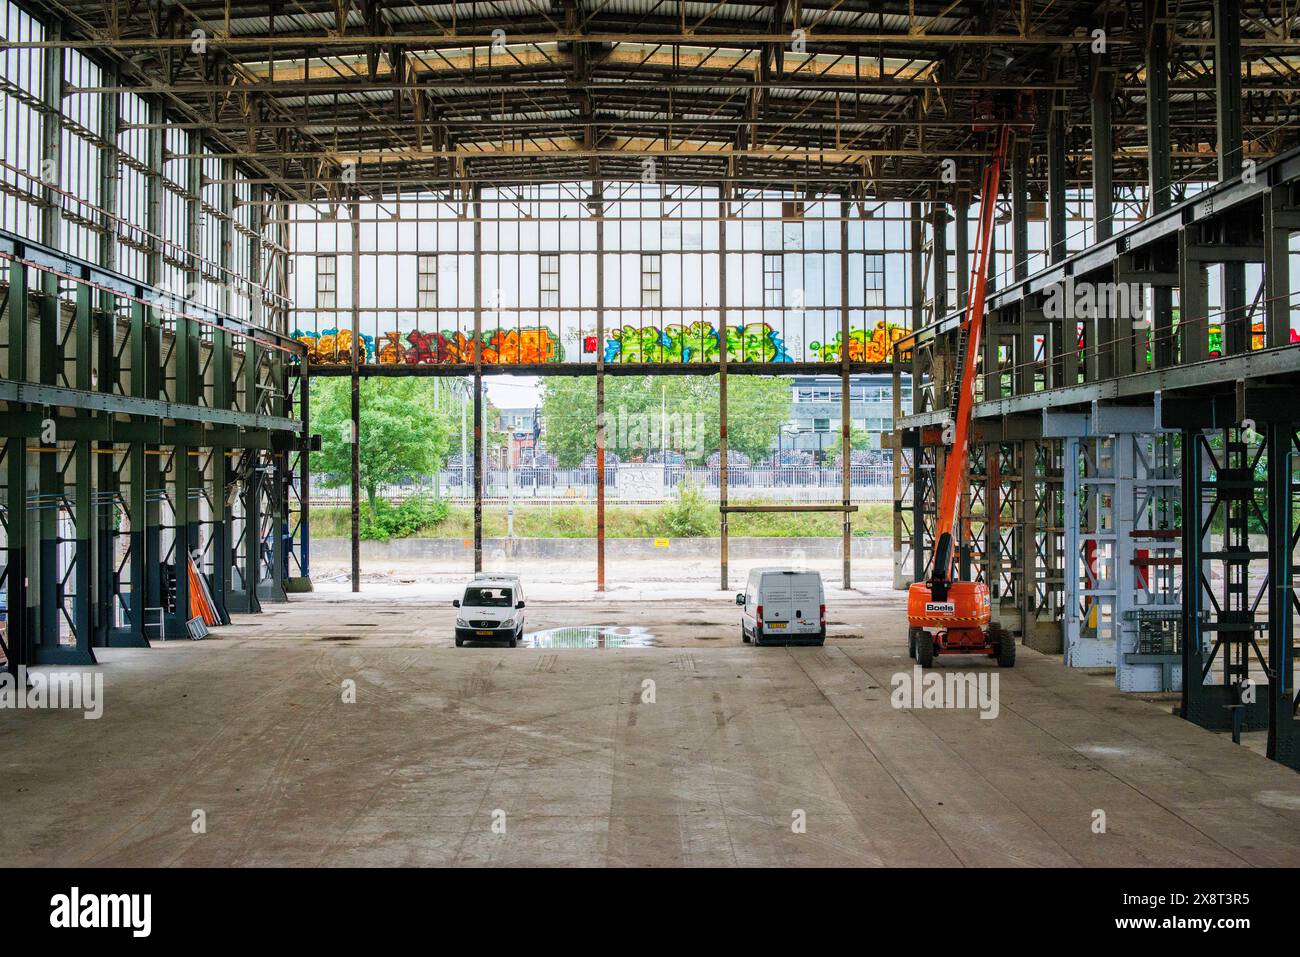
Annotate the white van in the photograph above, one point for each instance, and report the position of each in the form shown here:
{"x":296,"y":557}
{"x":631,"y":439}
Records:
{"x":783,"y":604}
{"x":492,"y":609}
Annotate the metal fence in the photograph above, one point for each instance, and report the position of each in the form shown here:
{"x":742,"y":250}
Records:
{"x":641,"y":483}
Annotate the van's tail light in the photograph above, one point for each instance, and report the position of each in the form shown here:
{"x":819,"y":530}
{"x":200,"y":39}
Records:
{"x":823,"y":612}
{"x":760,"y":614}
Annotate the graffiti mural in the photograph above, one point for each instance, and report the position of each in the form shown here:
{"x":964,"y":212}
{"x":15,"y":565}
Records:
{"x":698,"y":342}
{"x":500,"y":346}
{"x":878,"y":347}
{"x":334,"y":346}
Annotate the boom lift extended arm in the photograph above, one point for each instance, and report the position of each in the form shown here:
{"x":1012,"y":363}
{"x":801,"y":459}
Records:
{"x":956,"y":475}
{"x":947,"y":615}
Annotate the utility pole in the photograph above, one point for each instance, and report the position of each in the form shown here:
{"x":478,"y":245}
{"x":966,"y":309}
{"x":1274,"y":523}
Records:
{"x":464,"y":443}
{"x":510,"y":487}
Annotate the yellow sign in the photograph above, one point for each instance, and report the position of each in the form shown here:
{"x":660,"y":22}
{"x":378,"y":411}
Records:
{"x":661,"y":543}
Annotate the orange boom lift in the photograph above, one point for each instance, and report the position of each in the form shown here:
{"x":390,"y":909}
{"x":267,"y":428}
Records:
{"x":945,"y":615}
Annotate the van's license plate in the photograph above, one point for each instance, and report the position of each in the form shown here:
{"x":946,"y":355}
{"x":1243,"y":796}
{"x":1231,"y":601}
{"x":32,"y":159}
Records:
{"x":776,"y":624}
{"x":484,"y":632}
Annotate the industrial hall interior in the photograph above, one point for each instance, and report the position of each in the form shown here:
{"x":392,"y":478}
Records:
{"x":569,"y":433}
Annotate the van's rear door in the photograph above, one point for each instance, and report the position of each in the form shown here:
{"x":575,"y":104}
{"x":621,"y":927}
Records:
{"x":805,"y":602}
{"x":774,"y":596}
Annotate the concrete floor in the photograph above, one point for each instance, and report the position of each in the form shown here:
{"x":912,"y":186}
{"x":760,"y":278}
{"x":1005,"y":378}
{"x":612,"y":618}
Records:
{"x":250,"y":728}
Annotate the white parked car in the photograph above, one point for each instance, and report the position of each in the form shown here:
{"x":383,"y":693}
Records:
{"x":783,"y":604}
{"x":492,"y":609}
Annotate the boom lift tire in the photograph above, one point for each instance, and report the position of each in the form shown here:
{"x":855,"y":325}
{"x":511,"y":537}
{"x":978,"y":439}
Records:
{"x":1006,"y":645}
{"x":925,"y":649}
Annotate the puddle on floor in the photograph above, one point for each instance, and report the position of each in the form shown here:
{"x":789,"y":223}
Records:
{"x":591,"y":636}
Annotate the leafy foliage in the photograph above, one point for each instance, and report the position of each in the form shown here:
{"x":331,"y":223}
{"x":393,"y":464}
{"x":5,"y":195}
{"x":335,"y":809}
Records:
{"x":690,"y":514}
{"x":402,"y":435}
{"x":402,"y":519}
{"x":858,"y":438}
{"x":757,"y":407}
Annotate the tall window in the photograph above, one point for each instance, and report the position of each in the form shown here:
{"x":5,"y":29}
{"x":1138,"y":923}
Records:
{"x":548,"y":281}
{"x":875,"y":280}
{"x":773,"y":280}
{"x":327,"y":282}
{"x":651,"y":280}
{"x":427,"y":282}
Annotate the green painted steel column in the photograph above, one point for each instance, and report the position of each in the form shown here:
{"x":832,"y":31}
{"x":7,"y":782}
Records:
{"x":49,"y":590}
{"x":153,"y":485}
{"x":279,"y":477}
{"x":137,"y":494}
{"x":221,"y":398}
{"x":252,"y":494}
{"x":18,"y":635}
{"x":108,"y":485}
{"x":83,"y":502}
{"x":222,"y":392}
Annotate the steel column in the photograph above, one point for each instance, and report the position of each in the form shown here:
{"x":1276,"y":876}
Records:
{"x":846,"y":409}
{"x":1283,"y":491}
{"x":599,"y":189}
{"x":354,"y":360}
{"x":1157,"y":27}
{"x":478,"y":378}
{"x":722,"y":390}
{"x":1103,"y":147}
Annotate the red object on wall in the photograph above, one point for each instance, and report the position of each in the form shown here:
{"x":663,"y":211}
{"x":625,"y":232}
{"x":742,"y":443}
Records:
{"x":589,"y":344}
{"x":1140,"y":556}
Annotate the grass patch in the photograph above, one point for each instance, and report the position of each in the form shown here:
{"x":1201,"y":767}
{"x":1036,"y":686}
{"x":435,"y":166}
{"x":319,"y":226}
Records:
{"x":671,"y":520}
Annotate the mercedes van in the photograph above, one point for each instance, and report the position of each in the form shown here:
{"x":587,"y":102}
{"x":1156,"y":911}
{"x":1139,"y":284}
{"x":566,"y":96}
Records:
{"x":492,"y":609}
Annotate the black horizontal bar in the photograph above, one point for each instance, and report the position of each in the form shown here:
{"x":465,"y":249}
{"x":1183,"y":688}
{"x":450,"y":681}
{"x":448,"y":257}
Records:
{"x":611,"y":368}
{"x":52,"y":396}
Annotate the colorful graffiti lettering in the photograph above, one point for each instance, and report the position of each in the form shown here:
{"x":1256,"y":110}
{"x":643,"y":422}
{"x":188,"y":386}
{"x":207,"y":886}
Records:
{"x":500,"y":346}
{"x":698,"y":342}
{"x":334,"y":346}
{"x":522,"y":346}
{"x":878,"y":347}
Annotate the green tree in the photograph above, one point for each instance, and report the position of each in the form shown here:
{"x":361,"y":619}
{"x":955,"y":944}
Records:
{"x":638,"y":407}
{"x":859,"y":439}
{"x":757,"y":407}
{"x":402,"y":435}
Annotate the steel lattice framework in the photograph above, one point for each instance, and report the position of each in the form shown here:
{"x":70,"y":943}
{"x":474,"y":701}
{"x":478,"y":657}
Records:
{"x":826,"y":93}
